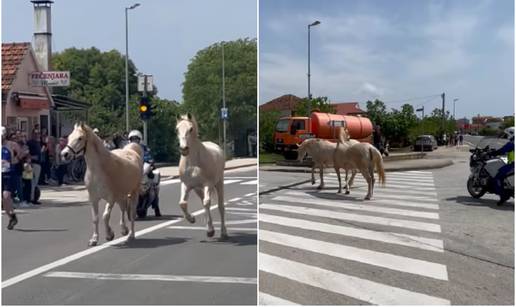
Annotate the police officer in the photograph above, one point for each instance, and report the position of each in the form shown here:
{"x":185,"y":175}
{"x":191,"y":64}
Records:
{"x":504,"y":170}
{"x":135,"y":136}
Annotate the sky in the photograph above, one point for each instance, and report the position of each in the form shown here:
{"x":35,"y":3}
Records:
{"x":392,"y":50}
{"x":163,"y":35}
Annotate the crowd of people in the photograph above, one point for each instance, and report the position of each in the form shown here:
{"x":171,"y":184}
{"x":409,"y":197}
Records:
{"x":34,"y":160}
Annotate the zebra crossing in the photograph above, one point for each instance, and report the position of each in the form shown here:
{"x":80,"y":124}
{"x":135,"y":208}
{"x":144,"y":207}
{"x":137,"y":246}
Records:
{"x":319,"y":244}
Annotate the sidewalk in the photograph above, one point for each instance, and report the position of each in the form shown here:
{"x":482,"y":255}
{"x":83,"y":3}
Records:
{"x":396,"y":162}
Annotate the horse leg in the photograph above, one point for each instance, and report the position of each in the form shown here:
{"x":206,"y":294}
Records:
{"x":106,"y":216}
{"x":206,"y":204}
{"x":371,"y":174}
{"x":367,"y":177}
{"x":337,"y":170}
{"x":184,"y":204}
{"x":123,"y":228}
{"x":321,"y":170}
{"x":220,"y":196}
{"x":95,"y":220}
{"x":313,"y":176}
{"x":352,"y":179}
{"x":132,"y":202}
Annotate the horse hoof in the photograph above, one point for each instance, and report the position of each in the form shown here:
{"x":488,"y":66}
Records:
{"x":124,"y":231}
{"x":347,"y":192}
{"x":319,"y":188}
{"x":130,"y":238}
{"x":224,"y":236}
{"x":92,"y":243}
{"x":191,"y":219}
{"x":210,"y":233}
{"x":110,"y":237}
{"x":367,"y":198}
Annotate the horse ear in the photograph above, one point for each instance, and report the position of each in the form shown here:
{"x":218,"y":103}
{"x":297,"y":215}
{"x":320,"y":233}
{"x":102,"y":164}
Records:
{"x":82,"y":125}
{"x":189,"y":115}
{"x":297,"y":145}
{"x":178,"y":116}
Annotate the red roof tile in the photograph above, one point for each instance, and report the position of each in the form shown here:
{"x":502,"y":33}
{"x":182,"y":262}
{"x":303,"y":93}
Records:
{"x":283,"y":103}
{"x":12,"y":56}
{"x":344,"y":108}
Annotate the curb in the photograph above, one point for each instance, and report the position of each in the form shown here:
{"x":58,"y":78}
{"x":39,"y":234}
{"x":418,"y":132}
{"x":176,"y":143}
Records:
{"x":442,"y":164}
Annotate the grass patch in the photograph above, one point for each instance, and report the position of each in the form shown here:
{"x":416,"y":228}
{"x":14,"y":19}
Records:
{"x":268,"y":158}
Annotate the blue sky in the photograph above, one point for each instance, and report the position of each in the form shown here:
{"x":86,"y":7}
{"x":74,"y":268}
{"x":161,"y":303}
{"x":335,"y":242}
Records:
{"x":163,"y":35}
{"x":392,"y":50}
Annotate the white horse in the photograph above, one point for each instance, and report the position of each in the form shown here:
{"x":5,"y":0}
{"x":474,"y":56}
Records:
{"x":322,"y":152}
{"x":201,"y":168}
{"x":110,"y":175}
{"x":362,"y":156}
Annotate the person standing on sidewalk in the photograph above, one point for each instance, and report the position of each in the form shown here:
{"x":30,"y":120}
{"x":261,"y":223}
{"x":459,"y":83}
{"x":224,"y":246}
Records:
{"x":7,"y":182}
{"x":61,"y":165}
{"x":27,"y":176}
{"x":35,"y":153}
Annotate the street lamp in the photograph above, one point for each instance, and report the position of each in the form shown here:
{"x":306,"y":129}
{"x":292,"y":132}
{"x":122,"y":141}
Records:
{"x":317,"y":22}
{"x":126,"y":67}
{"x":454,"y":107}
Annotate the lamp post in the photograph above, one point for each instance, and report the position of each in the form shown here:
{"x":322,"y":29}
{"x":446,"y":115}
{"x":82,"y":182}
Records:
{"x":309,"y":94}
{"x":126,"y":67}
{"x":454,"y":107}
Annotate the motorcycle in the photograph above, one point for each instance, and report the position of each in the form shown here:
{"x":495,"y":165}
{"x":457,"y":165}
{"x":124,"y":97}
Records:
{"x":484,"y":166}
{"x":149,"y":190}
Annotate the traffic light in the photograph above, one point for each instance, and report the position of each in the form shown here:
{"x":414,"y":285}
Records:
{"x":145,"y":108}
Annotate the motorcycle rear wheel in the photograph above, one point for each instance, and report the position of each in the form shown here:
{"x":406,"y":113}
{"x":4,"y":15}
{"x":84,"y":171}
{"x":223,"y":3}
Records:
{"x":475,"y":191}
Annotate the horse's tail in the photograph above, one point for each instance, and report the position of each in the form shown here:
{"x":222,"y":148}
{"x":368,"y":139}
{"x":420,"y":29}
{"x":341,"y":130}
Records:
{"x":377,"y":160}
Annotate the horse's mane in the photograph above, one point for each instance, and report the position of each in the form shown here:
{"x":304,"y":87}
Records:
{"x":189,"y":117}
{"x":343,"y":135}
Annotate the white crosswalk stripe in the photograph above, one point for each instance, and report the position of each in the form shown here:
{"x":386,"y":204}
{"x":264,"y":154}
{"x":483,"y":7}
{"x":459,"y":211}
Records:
{"x":396,"y":233}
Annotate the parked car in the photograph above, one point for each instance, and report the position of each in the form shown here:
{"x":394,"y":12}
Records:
{"x":425,"y":142}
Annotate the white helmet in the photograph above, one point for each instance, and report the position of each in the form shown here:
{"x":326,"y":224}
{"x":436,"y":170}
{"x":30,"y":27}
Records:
{"x":135,"y":133}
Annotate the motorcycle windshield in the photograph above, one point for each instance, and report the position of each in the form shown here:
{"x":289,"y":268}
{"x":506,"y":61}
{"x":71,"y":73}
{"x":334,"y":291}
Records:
{"x":492,"y":142}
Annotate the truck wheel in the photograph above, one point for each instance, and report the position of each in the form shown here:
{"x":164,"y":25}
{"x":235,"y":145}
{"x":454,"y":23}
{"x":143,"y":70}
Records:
{"x":290,"y":155}
{"x":475,"y":191}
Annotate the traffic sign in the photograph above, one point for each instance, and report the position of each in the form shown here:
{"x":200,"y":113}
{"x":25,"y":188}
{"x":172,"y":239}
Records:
{"x":224,"y":113}
{"x":141,"y":81}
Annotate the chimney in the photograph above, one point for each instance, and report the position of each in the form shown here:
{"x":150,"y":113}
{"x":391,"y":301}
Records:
{"x":42,"y":43}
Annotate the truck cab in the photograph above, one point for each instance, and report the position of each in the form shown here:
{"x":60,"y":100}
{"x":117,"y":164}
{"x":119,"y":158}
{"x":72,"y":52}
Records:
{"x":291,"y":131}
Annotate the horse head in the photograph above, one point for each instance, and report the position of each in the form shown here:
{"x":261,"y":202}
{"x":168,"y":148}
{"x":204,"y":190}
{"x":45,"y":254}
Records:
{"x":186,"y":130}
{"x":77,"y":141}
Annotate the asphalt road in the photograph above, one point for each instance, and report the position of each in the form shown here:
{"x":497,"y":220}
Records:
{"x":421,"y":240}
{"x":46,"y":261}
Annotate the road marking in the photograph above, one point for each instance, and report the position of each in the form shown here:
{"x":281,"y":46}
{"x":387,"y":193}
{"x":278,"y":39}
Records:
{"x":234,"y":199}
{"x":152,"y":277}
{"x":172,"y":181}
{"x":252,"y":182}
{"x":267,"y":299}
{"x":395,"y":181}
{"x":204,"y":228}
{"x":387,"y":237}
{"x":362,"y":218}
{"x":240,"y":177}
{"x":237,"y":222}
{"x":44,"y":268}
{"x":250,"y":194}
{"x":358,"y":288}
{"x":421,"y":203}
{"x":384,"y":260}
{"x":350,"y":206}
{"x":241,"y":209}
{"x":229,"y":181}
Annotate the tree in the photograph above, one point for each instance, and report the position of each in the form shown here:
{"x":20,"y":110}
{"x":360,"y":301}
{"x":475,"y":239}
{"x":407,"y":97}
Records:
{"x":376,"y":111}
{"x":202,"y":89}
{"x":268,"y":121}
{"x":318,"y":104}
{"x":99,"y":78}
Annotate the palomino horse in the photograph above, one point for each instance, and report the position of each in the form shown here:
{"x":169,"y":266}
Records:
{"x":362,"y":156}
{"x":201,"y":168}
{"x":110,"y":175}
{"x":321,"y":152}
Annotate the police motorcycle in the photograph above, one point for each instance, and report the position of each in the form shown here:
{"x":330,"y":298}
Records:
{"x":484,"y":166}
{"x":149,"y":187}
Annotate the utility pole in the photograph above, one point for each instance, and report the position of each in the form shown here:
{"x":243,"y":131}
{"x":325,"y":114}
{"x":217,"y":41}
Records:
{"x":145,"y":120}
{"x":309,"y":108}
{"x":444,"y":115}
{"x":223,"y":104}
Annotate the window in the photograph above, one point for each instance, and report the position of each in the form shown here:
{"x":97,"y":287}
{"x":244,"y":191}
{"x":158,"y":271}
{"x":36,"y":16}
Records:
{"x":282,"y":125}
